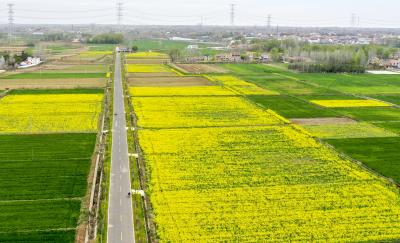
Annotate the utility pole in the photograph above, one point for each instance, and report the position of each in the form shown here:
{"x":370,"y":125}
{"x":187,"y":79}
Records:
{"x":10,"y":22}
{"x":120,"y":14}
{"x":232,"y":13}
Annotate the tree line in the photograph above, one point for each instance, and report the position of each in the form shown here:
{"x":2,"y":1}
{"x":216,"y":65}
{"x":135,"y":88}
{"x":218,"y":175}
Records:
{"x":306,"y":57}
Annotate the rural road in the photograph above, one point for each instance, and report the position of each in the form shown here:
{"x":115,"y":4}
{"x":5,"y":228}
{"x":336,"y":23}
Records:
{"x":120,"y":213}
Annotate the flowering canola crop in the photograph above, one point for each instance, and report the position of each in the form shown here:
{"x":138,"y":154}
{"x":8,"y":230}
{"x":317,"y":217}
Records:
{"x":145,"y":55}
{"x":241,"y":86}
{"x":180,"y":91}
{"x":350,"y":103}
{"x":147,"y":68}
{"x":50,"y":113}
{"x":223,"y":170}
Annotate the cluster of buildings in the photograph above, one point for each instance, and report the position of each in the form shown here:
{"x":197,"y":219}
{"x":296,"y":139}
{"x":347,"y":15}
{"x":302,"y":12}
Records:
{"x":30,"y":62}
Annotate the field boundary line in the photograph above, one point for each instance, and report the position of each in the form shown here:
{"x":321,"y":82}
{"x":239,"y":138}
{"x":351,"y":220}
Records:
{"x":95,"y":192}
{"x":46,"y":230}
{"x":43,"y":200}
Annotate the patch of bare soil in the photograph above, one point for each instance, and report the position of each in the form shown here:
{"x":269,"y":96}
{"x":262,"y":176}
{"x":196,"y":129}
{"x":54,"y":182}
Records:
{"x":201,"y":68}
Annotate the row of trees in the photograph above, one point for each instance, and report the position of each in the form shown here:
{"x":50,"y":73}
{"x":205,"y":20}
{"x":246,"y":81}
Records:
{"x":322,"y":58}
{"x":109,"y":38}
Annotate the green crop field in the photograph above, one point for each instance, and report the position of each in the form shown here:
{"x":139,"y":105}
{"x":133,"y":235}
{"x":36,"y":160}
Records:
{"x":292,"y":107}
{"x":102,"y":47}
{"x":392,"y":98}
{"x":163,"y":45}
{"x":380,"y":154}
{"x":38,"y":75}
{"x":43,"y":179}
{"x":391,"y":126}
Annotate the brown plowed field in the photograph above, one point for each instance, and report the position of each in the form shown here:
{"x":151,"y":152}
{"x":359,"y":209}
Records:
{"x":52,"y":83}
{"x":201,"y":68}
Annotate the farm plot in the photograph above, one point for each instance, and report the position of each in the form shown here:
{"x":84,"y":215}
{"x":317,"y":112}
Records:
{"x":147,"y":68}
{"x":285,"y":85}
{"x":151,"y":75}
{"x":380,"y":154}
{"x":241,"y":86}
{"x":74,"y":68}
{"x":391,"y":98}
{"x":39,"y":75}
{"x":52,"y":83}
{"x":356,"y":84}
{"x":180,"y":91}
{"x":147,"y":55}
{"x":147,"y":61}
{"x":241,"y":184}
{"x":169,"y":112}
{"x":221,"y":169}
{"x":182,"y":81}
{"x":43,"y":179}
{"x":350,"y":103}
{"x":323,"y":121}
{"x":390,"y":126}
{"x":353,"y":130}
{"x":292,"y":107}
{"x":371,"y":113}
{"x":201,"y":68}
{"x":44,"y":113}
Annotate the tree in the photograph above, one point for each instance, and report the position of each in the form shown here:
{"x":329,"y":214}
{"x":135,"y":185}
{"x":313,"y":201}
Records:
{"x":275,"y":55}
{"x":135,"y":48}
{"x":175,"y":55}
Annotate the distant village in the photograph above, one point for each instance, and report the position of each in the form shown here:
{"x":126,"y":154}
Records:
{"x":236,"y":52}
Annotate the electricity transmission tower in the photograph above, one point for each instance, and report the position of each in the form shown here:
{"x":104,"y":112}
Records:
{"x":269,"y":18}
{"x":353,"y":20}
{"x":232,"y":14}
{"x":10,"y":21}
{"x":120,"y":14}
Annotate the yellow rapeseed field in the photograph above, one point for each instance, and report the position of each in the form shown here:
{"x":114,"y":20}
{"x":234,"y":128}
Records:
{"x":223,"y":170}
{"x":180,"y":91}
{"x":241,"y":86}
{"x":147,"y":55}
{"x":50,"y":113}
{"x":350,"y":103}
{"x":147,"y":68}
{"x":167,"y":112}
{"x":240,"y":184}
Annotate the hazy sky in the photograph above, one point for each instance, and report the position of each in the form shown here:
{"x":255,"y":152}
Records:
{"x":371,"y":13}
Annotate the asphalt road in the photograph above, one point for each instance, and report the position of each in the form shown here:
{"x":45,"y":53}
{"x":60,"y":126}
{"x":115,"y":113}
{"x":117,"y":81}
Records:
{"x":120,"y":213}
